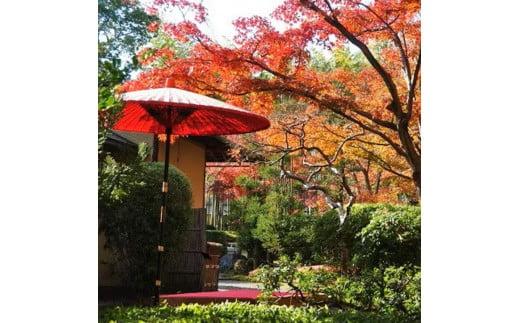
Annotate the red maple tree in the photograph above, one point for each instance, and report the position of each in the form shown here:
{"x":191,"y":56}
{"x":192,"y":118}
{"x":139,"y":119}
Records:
{"x":377,"y":98}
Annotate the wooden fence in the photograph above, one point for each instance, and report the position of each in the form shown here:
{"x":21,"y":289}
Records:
{"x":196,"y":267}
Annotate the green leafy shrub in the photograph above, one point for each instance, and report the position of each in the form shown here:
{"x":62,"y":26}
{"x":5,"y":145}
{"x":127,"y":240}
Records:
{"x":247,"y":182}
{"x":273,"y":277}
{"x":376,"y":235}
{"x":286,"y":234}
{"x":392,"y":290}
{"x":283,"y":227}
{"x":237,"y":312}
{"x":325,"y":246}
{"x":275,"y":224}
{"x":242,"y":266}
{"x":391,"y":238}
{"x":248,"y":209}
{"x":129,"y":205}
{"x":327,"y":231}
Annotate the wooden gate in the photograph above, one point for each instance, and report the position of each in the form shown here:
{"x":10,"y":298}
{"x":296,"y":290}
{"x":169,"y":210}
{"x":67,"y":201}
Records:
{"x":183,"y":271}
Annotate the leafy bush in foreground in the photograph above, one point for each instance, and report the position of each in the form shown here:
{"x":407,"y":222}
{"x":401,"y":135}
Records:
{"x":238,"y":312}
{"x":391,"y":290}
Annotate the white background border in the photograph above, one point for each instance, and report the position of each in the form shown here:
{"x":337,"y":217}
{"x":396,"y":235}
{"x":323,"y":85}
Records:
{"x":470,"y":131}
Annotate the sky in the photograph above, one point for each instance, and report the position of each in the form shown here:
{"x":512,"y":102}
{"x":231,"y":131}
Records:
{"x":221,"y":14}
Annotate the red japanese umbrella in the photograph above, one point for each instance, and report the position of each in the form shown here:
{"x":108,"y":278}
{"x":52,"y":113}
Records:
{"x":172,"y":111}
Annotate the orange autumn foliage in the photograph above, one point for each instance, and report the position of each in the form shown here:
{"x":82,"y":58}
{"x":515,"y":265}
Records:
{"x":270,"y":72}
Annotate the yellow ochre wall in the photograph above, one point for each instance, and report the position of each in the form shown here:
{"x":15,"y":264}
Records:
{"x":189,"y":157}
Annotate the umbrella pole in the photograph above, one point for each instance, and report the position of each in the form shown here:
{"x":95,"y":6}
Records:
{"x":160,"y":247}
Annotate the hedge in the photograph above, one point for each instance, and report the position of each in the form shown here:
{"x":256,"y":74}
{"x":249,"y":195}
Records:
{"x":238,"y":312}
{"x":130,"y":221}
{"x":376,"y":234}
{"x":391,"y":238}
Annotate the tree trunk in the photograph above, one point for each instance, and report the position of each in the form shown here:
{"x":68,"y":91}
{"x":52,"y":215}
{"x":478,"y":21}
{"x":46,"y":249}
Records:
{"x":345,"y":251}
{"x":356,"y":182}
{"x":215,"y":213}
{"x":368,"y":186}
{"x":412,"y":156}
{"x":378,"y":181}
{"x":345,"y":259}
{"x":417,"y":180}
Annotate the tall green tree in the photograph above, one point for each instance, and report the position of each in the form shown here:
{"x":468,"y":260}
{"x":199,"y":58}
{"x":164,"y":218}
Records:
{"x":122,"y":29}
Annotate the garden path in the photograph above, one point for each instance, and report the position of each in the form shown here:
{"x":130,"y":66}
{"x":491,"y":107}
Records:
{"x":226,"y":284}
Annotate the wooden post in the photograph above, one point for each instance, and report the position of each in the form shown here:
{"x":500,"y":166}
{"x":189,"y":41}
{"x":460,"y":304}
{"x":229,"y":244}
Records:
{"x":162,"y":217}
